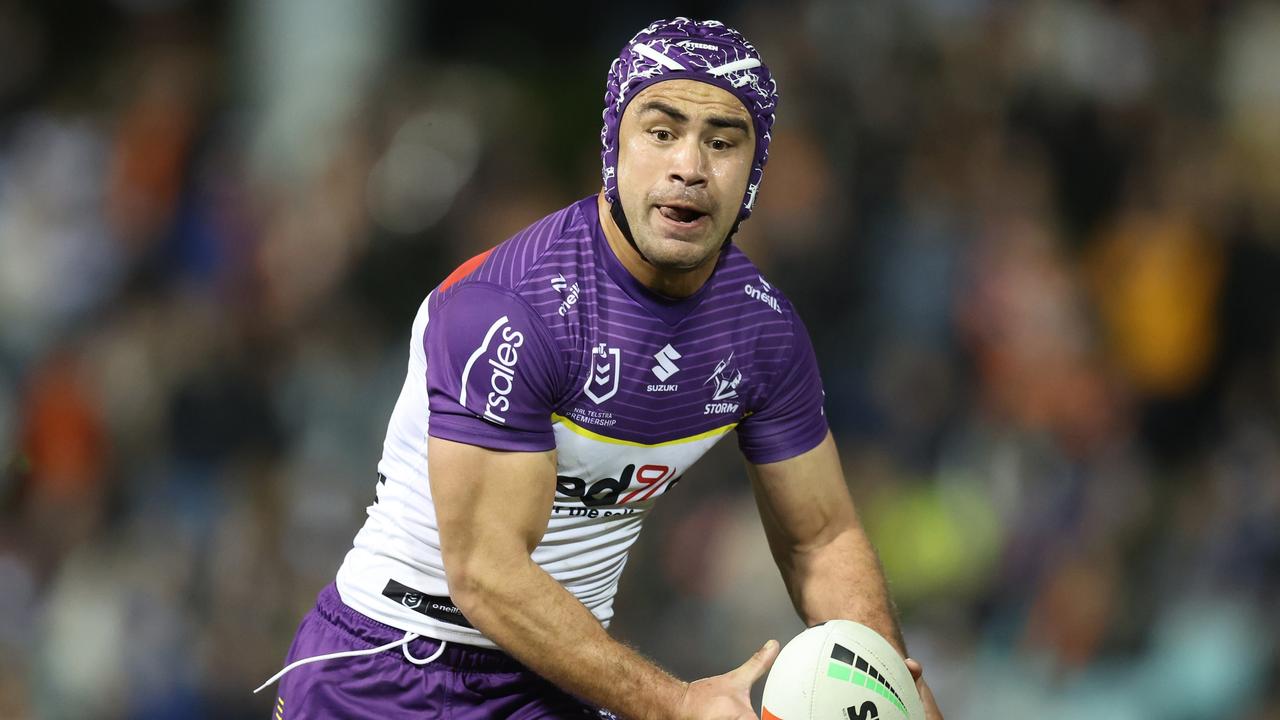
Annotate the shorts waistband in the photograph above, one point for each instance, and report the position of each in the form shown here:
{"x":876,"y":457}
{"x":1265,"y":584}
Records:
{"x":329,"y":606}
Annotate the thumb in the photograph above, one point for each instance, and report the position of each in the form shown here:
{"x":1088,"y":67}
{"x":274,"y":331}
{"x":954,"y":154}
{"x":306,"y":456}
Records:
{"x":758,"y":664}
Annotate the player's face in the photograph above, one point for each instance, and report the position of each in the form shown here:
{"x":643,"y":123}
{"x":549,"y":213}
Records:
{"x":684,"y":158}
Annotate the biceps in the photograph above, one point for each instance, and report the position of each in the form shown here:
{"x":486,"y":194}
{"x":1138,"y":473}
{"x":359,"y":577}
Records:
{"x":490,"y":505}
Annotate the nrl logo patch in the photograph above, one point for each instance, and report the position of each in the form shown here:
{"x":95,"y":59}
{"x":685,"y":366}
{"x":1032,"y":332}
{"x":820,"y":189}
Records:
{"x":603,"y":375}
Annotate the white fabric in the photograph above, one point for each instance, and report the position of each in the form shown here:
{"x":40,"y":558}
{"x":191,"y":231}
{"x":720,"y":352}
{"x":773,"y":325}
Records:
{"x":657,"y":57}
{"x":400,"y":539}
{"x":735,"y":66}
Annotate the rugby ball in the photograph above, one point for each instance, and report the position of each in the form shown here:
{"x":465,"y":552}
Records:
{"x":840,"y":670}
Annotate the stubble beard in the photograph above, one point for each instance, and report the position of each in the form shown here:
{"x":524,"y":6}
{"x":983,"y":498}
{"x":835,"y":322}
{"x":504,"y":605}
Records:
{"x":664,"y":253}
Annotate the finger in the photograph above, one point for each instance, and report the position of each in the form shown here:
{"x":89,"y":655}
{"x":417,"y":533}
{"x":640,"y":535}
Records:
{"x":758,"y":664}
{"x":915,"y":668}
{"x":931,"y":711}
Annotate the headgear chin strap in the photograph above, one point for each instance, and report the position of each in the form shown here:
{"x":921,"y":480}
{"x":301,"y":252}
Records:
{"x":684,"y":49}
{"x":620,"y":219}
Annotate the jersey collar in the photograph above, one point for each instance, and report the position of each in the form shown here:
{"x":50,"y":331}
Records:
{"x":671,"y":311}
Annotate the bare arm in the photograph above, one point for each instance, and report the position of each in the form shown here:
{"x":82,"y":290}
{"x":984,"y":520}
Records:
{"x":828,"y":564}
{"x":492,"y":508}
{"x":829,"y":567}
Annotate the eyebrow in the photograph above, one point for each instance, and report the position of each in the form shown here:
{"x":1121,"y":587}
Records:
{"x":720,"y":121}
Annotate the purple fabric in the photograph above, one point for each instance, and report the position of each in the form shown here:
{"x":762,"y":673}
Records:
{"x":792,"y":409}
{"x":744,"y":355}
{"x":493,"y":372}
{"x":697,"y":47}
{"x":465,"y":683}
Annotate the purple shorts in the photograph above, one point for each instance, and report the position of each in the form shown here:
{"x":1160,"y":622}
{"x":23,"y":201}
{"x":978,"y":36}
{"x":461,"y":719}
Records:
{"x":465,"y":682}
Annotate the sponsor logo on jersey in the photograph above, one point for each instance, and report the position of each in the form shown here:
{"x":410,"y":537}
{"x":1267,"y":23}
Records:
{"x":438,"y":607}
{"x":724,"y":382}
{"x":501,"y":366}
{"x":603,"y":375}
{"x":591,"y":416}
{"x":666,"y":366}
{"x":633,"y":484}
{"x":568,"y":289}
{"x":762,"y":294}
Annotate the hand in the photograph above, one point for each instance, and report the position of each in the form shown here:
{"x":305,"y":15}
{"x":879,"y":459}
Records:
{"x":728,"y":696}
{"x":931,"y":711}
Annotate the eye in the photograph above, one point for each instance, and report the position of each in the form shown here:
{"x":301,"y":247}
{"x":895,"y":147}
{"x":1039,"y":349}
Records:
{"x":662,"y":135}
{"x":718,"y":144}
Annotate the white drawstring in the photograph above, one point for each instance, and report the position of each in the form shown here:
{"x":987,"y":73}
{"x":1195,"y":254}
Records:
{"x":405,"y":649}
{"x":402,"y":643}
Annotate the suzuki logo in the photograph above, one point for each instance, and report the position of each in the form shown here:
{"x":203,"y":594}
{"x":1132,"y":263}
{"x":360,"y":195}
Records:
{"x":602,"y":376}
{"x":558,"y":283}
{"x":666,"y":367}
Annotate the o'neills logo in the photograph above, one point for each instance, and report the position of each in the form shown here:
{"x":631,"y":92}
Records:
{"x":501,"y":366}
{"x":762,"y":295}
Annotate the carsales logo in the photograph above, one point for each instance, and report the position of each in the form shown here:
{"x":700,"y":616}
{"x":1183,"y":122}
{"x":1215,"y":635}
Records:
{"x":501,"y":367}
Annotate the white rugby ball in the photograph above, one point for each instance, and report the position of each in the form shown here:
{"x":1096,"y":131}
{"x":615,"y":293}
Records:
{"x":840,"y":670}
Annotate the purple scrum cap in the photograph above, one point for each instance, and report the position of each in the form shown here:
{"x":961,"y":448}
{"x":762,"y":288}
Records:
{"x":706,"y":51}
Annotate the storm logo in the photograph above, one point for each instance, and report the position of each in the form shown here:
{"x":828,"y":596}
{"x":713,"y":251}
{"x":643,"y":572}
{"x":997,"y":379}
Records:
{"x":724,"y":381}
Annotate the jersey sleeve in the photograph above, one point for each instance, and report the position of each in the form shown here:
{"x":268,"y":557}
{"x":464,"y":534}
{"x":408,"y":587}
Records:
{"x":493,"y":371}
{"x":789,"y":419}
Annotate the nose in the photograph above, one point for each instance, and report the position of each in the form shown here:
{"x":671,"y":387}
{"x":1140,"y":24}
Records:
{"x":688,"y":163}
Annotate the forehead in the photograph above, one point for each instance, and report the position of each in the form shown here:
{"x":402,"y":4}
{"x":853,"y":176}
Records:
{"x":691,"y":97}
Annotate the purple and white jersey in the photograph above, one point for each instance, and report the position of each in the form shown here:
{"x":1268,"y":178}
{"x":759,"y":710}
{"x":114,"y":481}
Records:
{"x":548,"y":342}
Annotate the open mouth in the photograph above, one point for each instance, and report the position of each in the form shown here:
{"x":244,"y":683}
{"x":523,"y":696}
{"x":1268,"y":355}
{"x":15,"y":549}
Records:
{"x":681,"y":215}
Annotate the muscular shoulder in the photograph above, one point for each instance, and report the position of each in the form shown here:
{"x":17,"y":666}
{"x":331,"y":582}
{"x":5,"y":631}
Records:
{"x":758,"y":301}
{"x":785,"y":401}
{"x":527,"y":256}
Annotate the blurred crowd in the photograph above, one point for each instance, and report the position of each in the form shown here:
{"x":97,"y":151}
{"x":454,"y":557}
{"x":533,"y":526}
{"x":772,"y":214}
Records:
{"x":1037,"y":245}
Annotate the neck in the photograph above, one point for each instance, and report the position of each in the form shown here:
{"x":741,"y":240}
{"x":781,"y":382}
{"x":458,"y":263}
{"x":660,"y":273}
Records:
{"x":671,"y":283}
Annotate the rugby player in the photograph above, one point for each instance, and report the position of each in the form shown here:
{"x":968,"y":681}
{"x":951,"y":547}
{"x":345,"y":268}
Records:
{"x":558,"y":387}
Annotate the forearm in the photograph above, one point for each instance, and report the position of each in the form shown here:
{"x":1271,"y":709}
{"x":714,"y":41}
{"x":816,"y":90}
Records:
{"x":842,"y":578}
{"x":557,"y":637}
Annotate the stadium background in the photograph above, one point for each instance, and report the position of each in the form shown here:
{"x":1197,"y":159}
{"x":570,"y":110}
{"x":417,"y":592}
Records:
{"x":1037,"y":244}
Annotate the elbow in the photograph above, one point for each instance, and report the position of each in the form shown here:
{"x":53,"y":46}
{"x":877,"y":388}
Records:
{"x":465,"y":575}
{"x":477,"y":580}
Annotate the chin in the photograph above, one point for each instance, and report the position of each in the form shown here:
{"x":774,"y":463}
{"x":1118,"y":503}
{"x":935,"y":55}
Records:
{"x":677,"y":253}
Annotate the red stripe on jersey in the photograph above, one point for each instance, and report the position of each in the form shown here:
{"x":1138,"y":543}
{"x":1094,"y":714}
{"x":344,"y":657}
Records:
{"x":465,"y":269}
{"x":768,"y":715}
